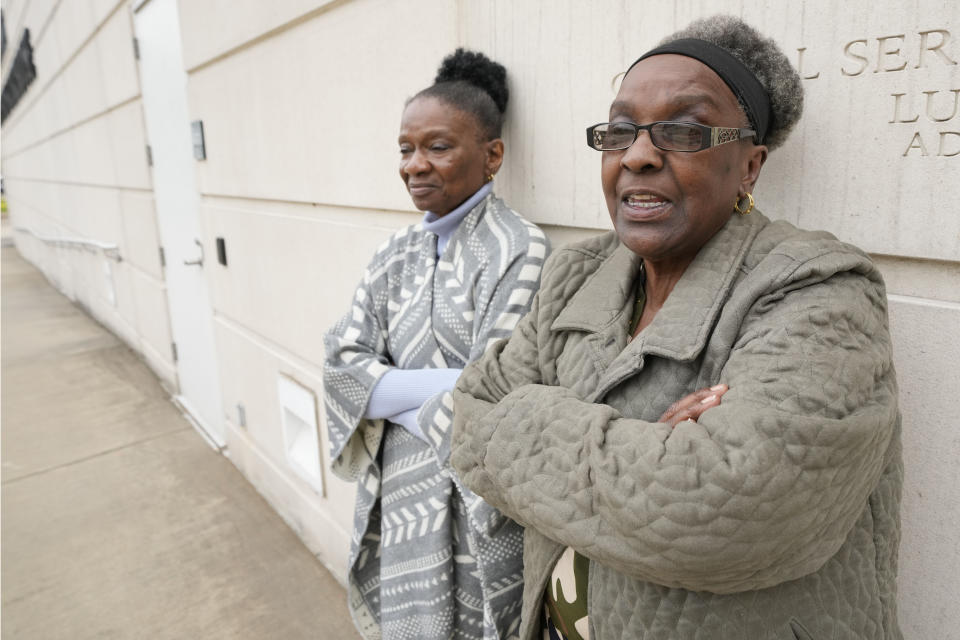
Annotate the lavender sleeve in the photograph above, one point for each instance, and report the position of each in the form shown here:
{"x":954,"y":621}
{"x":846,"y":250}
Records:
{"x":400,"y":390}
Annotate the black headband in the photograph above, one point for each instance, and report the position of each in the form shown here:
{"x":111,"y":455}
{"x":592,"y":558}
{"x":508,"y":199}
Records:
{"x":744,"y":84}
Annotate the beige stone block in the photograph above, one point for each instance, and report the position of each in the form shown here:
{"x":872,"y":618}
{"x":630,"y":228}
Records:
{"x":72,"y":25}
{"x":926,"y":354}
{"x":128,"y":144}
{"x":141,"y":240}
{"x":48,"y":57}
{"x":13,"y":15}
{"x":35,"y":14}
{"x":560,"y":79}
{"x":319,"y":123}
{"x":82,"y":84}
{"x":280,"y":261}
{"x":112,"y":298}
{"x":250,"y":366}
{"x":118,"y":67}
{"x":102,"y":9}
{"x":931,"y":279}
{"x":82,"y":77}
{"x":152,"y":316}
{"x":88,"y":212}
{"x":323,"y":535}
{"x":84,"y":153}
{"x":22,"y":126}
{"x":249,"y":19}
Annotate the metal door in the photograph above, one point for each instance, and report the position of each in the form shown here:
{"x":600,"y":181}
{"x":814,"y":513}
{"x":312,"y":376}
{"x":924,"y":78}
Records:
{"x":163,"y":82}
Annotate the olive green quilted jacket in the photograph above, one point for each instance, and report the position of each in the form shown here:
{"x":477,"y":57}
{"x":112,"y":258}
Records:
{"x":776,"y":515}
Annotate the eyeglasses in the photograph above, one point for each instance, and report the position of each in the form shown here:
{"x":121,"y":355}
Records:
{"x":669,"y":136}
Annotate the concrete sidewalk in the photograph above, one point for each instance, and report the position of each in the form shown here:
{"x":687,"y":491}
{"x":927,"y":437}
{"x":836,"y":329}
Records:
{"x":118,"y":520}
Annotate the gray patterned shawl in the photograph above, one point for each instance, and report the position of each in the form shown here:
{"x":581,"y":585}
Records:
{"x":429,"y":559}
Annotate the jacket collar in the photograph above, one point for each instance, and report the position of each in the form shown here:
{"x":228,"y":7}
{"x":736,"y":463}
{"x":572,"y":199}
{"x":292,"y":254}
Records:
{"x":601,"y":299}
{"x":681,"y":327}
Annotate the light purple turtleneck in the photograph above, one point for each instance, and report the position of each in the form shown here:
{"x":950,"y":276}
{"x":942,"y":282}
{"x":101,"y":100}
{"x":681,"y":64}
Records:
{"x":400,"y":393}
{"x":444,"y":226}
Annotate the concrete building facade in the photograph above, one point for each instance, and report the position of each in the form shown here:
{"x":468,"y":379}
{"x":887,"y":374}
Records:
{"x":260,"y":138}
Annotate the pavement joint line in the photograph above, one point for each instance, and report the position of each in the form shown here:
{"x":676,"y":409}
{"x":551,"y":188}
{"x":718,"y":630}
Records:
{"x":94,"y":456}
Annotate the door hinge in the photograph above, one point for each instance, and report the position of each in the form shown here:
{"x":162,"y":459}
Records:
{"x":149,"y":156}
{"x":199,"y":144}
{"x":173,"y":350}
{"x":163,"y":257}
{"x":136,"y":49}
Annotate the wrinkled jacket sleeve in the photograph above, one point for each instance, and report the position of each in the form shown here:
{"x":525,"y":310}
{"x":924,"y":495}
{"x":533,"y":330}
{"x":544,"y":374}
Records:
{"x":763,"y":489}
{"x":356,"y":358}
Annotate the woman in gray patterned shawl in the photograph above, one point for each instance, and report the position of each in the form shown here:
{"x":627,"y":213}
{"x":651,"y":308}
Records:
{"x":429,"y":559}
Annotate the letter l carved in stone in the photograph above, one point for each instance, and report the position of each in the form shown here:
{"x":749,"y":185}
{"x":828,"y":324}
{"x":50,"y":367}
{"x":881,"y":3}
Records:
{"x":896,"y":110}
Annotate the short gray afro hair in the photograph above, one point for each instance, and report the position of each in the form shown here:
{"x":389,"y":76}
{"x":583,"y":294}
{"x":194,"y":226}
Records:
{"x":764,"y":58}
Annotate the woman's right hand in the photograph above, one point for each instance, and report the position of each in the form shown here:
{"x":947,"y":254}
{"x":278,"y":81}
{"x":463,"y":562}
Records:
{"x":691,"y":406}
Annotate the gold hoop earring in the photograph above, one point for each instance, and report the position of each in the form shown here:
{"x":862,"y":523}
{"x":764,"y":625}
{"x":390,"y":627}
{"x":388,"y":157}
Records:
{"x":489,"y":177}
{"x":750,"y":203}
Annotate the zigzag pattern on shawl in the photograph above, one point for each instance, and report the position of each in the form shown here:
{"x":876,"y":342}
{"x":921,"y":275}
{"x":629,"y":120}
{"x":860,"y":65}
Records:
{"x":417,"y":535}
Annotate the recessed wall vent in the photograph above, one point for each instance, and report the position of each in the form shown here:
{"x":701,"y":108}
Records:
{"x":301,"y":436}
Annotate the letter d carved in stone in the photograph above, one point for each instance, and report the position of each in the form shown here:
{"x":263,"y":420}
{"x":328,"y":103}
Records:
{"x":944,"y":135}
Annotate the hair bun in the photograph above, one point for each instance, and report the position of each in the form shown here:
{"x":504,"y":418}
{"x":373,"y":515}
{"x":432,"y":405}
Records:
{"x":477,"y":69}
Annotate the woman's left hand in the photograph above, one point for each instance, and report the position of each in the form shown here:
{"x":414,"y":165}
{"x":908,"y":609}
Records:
{"x":691,"y":406}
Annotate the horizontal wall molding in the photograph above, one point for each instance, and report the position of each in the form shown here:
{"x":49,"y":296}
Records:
{"x":71,"y":183}
{"x":310,"y":369}
{"x":267,"y":35}
{"x":71,"y":127}
{"x":17,"y":115}
{"x":945,"y":305}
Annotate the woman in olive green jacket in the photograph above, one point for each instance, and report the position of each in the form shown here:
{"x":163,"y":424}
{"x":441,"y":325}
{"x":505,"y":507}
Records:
{"x":697,"y":423}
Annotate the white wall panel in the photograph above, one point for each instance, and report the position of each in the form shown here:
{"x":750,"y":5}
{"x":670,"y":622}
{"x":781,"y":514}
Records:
{"x":153,"y":316}
{"x":109,"y":150}
{"x":71,"y":27}
{"x":56,"y":31}
{"x":118,"y":67}
{"x":239,"y":21}
{"x":87,"y":156}
{"x":926,"y":355}
{"x":98,"y":77}
{"x":12,"y":16}
{"x":291,"y":269}
{"x":128,"y":143}
{"x":249,"y":369}
{"x":83,"y":87}
{"x":119,"y":311}
{"x":89,"y":212}
{"x":141,"y":241}
{"x":101,"y":9}
{"x":313,"y":116}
